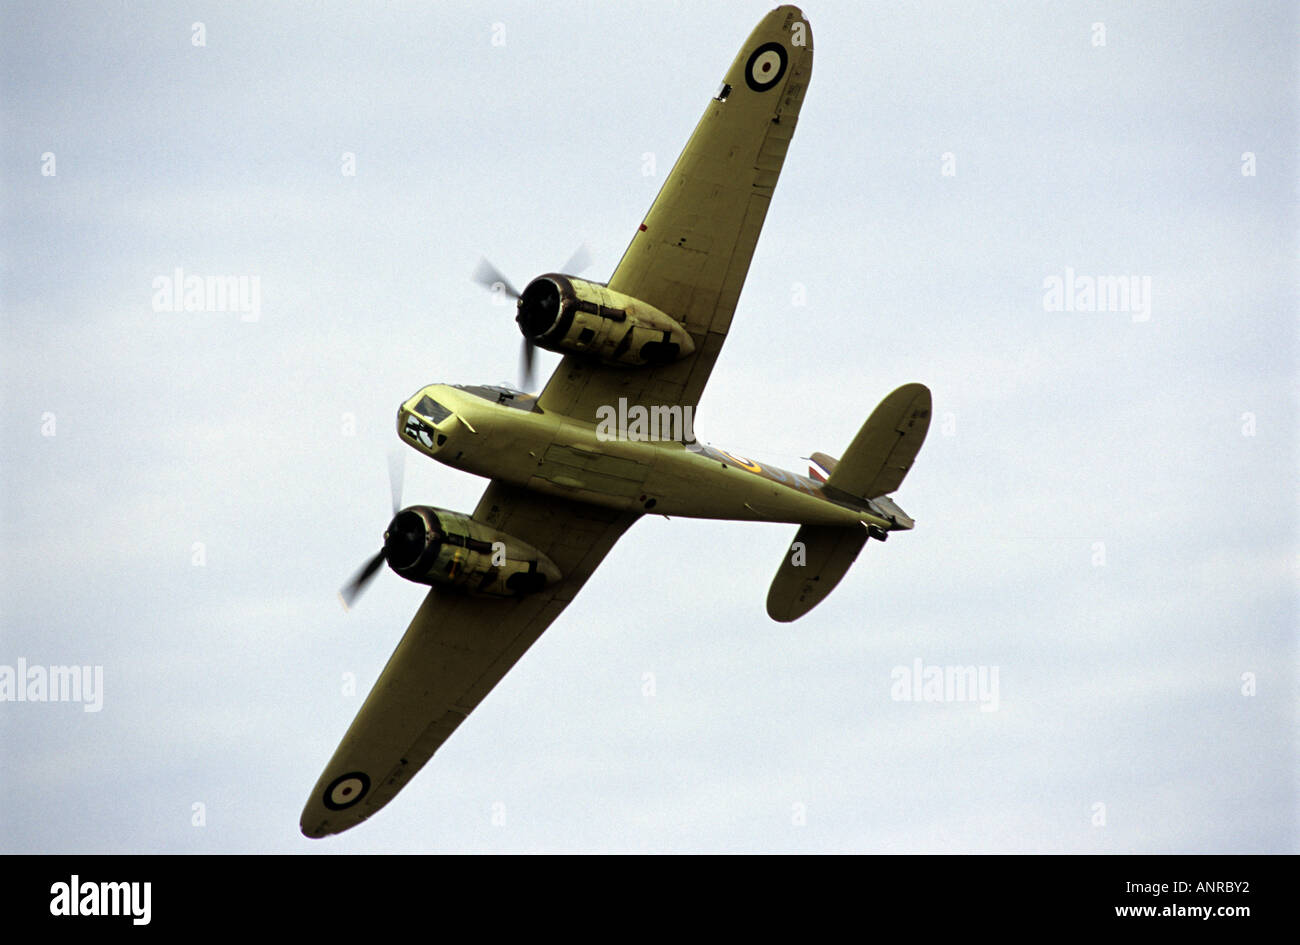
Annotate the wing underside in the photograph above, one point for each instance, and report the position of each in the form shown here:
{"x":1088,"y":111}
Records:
{"x":690,"y":256}
{"x":457,"y":648}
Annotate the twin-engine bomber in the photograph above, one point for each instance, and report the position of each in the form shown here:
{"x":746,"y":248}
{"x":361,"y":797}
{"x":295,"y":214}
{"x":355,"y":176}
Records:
{"x":562,"y":489}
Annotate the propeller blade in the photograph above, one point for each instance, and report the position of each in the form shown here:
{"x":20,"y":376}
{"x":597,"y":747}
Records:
{"x":352,"y":590}
{"x":526,"y":366}
{"x":396,"y":473}
{"x":579,"y":261}
{"x":490,"y":277}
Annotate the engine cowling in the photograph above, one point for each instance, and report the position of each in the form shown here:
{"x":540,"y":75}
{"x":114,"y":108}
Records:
{"x":563,"y":313}
{"x":436,"y":546}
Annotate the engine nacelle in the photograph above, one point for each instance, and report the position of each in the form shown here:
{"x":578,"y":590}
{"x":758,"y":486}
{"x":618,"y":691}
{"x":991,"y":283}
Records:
{"x":438,"y":546}
{"x":561,"y":313}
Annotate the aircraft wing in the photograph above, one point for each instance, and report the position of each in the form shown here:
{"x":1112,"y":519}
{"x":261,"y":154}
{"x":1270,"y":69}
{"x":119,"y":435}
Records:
{"x":456,"y":649}
{"x":690,"y":255}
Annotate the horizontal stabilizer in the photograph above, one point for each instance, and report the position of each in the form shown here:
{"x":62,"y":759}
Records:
{"x":882,"y":452}
{"x":819,"y":556}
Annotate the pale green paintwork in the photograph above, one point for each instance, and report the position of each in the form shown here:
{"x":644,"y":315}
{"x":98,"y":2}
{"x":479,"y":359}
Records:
{"x":688,"y":259}
{"x":562,"y":456}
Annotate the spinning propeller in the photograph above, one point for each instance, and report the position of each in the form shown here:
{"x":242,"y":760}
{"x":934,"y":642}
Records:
{"x":491,"y":278}
{"x":396,"y":540}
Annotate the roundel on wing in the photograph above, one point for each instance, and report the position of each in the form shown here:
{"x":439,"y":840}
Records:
{"x":346,"y":790}
{"x":765,"y":67}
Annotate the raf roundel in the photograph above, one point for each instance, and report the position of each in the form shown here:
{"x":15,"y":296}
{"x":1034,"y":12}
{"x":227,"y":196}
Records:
{"x":765,"y":67}
{"x":346,"y":790}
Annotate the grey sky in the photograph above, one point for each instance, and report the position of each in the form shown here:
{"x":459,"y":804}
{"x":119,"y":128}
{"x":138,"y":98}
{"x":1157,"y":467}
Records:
{"x":1170,"y":441}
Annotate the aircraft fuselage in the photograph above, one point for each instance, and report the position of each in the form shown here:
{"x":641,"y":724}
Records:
{"x":511,"y":439}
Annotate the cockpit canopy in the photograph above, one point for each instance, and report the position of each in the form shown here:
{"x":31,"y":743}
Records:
{"x":431,"y":410}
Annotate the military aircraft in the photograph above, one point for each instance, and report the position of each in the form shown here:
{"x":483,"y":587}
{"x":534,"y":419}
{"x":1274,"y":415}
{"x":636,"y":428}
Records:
{"x":607,"y":441}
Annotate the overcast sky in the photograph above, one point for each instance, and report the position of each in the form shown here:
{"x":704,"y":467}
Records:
{"x":1106,"y":506}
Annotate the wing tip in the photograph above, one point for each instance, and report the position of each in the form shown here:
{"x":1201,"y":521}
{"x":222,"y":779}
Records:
{"x":316,"y":832}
